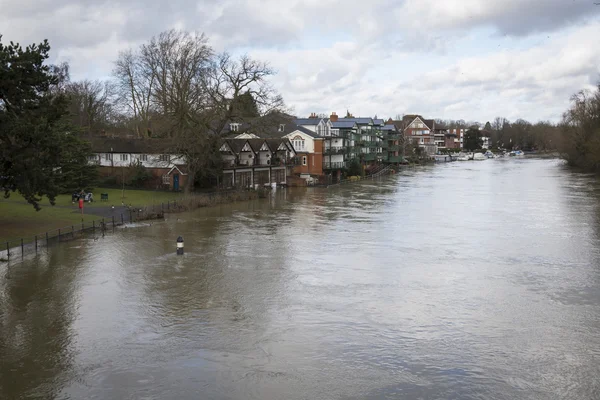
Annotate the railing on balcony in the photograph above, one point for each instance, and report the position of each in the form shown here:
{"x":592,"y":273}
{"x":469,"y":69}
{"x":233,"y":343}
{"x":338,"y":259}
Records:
{"x":255,"y":162}
{"x":335,"y":150}
{"x":393,"y":137}
{"x":369,"y":156}
{"x":394,"y":148}
{"x":372,"y":144}
{"x":334,"y":165}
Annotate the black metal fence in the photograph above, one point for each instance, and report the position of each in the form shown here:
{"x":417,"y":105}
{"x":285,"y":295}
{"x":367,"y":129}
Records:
{"x":29,"y":245}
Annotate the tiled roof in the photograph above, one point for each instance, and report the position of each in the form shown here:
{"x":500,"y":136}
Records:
{"x":307,"y":121}
{"x":131,"y":146}
{"x":389,"y":128}
{"x":360,"y":121}
{"x":343,"y":124}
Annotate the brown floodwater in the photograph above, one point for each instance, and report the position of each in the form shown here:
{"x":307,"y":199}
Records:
{"x":468,"y":280}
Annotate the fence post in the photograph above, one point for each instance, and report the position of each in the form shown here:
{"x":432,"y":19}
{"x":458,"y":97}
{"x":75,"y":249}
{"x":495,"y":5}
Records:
{"x":46,"y":239}
{"x":36,"y":243}
{"x":22,"y":251}
{"x":130,"y":218}
{"x":94,"y":227}
{"x":7,"y":250}
{"x":121,"y":218}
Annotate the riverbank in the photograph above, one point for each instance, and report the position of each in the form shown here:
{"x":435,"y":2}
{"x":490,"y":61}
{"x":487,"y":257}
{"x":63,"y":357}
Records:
{"x":19,"y":219}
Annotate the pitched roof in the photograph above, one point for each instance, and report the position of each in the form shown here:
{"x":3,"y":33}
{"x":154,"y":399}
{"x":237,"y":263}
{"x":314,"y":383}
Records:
{"x":343,"y":124}
{"x":379,"y":121}
{"x":308,"y":121}
{"x":236,"y":144}
{"x":359,"y":121}
{"x":389,"y":127}
{"x":429,"y":122}
{"x":135,"y":146}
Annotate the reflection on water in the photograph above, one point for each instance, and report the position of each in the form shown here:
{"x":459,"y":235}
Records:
{"x":464,"y":280}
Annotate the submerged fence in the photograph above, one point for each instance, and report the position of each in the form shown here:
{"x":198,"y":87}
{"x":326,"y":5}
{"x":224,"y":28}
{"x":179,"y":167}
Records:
{"x":96,"y":228}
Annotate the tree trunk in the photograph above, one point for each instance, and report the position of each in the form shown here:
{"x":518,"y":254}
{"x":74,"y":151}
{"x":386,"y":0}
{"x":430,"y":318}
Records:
{"x":189,"y":185}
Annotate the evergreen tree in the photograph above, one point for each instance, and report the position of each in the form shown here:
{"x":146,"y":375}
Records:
{"x":472,"y":140}
{"x":40,"y":152}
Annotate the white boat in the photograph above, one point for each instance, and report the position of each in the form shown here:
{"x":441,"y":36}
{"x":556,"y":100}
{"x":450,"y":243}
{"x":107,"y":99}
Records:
{"x":516,"y":153}
{"x":479,"y":157}
{"x":462,"y":158}
{"x":489,"y":154}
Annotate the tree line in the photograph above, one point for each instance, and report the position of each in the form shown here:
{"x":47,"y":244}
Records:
{"x":174,"y":86}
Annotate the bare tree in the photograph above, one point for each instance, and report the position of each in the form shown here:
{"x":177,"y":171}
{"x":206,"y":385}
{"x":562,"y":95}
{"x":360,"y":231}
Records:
{"x":91,"y":104}
{"x":134,"y":87}
{"x":176,"y":86}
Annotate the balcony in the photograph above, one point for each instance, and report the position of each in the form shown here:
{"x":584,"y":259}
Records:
{"x":334,"y":165}
{"x":335,"y":150}
{"x":393,"y":137}
{"x":394,"y":148}
{"x":395,"y":159}
{"x":255,"y":162}
{"x":369,"y":156}
{"x":372,"y":144}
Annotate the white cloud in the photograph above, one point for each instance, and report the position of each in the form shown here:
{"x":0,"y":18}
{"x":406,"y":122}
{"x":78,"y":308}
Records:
{"x":388,"y":57}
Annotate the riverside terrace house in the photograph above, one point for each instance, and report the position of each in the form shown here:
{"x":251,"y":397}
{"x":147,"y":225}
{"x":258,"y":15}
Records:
{"x":393,"y":137}
{"x":114,"y":155}
{"x":307,"y":145}
{"x":369,"y":140}
{"x":256,"y":162}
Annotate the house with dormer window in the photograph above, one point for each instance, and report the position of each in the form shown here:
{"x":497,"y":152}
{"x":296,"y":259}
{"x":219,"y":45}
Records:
{"x":250,"y":163}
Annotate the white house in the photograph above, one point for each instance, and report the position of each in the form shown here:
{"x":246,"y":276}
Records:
{"x":111,"y":155}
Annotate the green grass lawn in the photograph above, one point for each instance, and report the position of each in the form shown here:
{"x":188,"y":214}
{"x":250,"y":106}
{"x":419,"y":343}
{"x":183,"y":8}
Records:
{"x":18,"y":219}
{"x":132,"y":197}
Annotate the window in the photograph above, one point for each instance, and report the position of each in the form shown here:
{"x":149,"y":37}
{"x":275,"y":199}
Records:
{"x":143,"y":157}
{"x":422,"y":141}
{"x":124,"y":157}
{"x":304,"y":160}
{"x":165,"y":157}
{"x":281,"y":127}
{"x":299,"y":144}
{"x":108,"y":156}
{"x":166,"y":180}
{"x":92,"y":158}
{"x":235,"y":127}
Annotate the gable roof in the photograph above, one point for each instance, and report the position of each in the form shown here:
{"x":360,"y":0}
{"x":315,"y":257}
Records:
{"x":389,"y":127}
{"x":379,"y":121}
{"x":236,"y":145}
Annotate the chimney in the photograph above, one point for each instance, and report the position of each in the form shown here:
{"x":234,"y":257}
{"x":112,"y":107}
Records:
{"x":333,"y":117}
{"x":313,"y":115}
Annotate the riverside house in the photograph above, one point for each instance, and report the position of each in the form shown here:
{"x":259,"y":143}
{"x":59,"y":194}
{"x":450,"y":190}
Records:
{"x":256,"y":162}
{"x":113,"y":156}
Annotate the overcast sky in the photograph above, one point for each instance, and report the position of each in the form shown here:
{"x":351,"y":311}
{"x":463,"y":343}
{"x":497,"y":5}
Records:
{"x":459,"y":59}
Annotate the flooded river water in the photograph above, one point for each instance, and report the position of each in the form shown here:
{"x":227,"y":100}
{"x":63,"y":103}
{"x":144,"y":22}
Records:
{"x":472,"y":280}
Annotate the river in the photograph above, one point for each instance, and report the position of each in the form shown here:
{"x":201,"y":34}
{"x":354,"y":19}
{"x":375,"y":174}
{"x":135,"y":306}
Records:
{"x":466,"y":280}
